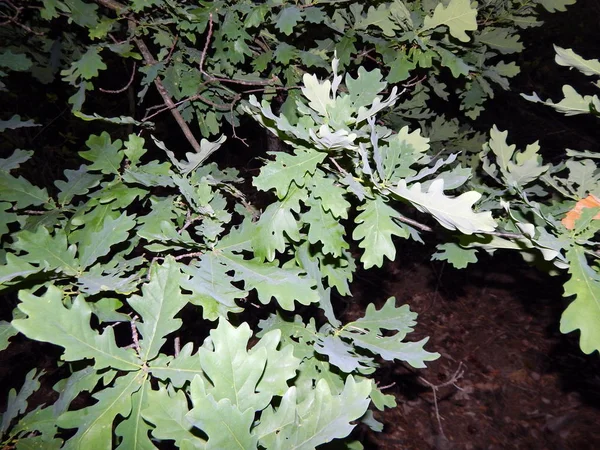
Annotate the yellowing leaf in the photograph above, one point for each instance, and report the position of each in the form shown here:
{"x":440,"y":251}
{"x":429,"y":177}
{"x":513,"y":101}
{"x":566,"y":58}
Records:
{"x":590,"y":201}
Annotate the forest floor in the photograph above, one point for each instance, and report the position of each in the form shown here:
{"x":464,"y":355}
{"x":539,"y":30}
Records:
{"x":524,"y":385}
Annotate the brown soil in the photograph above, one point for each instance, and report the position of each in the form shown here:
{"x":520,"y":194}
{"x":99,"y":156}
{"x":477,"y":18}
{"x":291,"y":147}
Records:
{"x":524,"y":384}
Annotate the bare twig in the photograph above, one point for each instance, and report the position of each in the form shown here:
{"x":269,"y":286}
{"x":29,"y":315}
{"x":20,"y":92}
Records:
{"x":434,"y":388}
{"x":414,"y":223}
{"x":134,"y":334}
{"x":118,"y":91}
{"x":177,"y":346}
{"x":149,"y":59}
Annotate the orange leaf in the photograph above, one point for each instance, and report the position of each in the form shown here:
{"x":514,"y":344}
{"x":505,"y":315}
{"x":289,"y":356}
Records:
{"x":590,"y":201}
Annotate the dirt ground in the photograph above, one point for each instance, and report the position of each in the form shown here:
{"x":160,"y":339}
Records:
{"x":519,"y":383}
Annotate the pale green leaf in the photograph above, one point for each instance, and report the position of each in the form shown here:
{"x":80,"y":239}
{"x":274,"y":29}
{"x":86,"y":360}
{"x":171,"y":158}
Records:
{"x":389,"y":317}
{"x":49,"y":321}
{"x":453,"y":213}
{"x":318,"y":93}
{"x":572,"y":103}
{"x":458,"y":16}
{"x":584,"y":311}
{"x":393,"y":347}
{"x":341,"y":354}
{"x":95,"y":423}
{"x":568,"y":58}
{"x":374,"y":231}
{"x":161,"y":300}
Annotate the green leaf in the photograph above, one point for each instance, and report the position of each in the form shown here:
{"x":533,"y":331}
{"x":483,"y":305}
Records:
{"x":212,"y":288}
{"x":453,"y":213}
{"x":21,"y":192}
{"x":321,"y":417}
{"x":86,"y":68}
{"x":95,"y":244}
{"x":374,"y":231}
{"x":134,"y":430}
{"x":287,"y":19}
{"x":226,"y":426}
{"x":160,"y":302}
{"x":277,"y":225}
{"x":456,"y":255}
{"x":79,"y":182}
{"x":82,"y":13}
{"x":17,"y":403}
{"x":364,"y":89}
{"x":19,"y":62}
{"x":50,"y":252}
{"x":287,"y":169}
{"x":180,"y":369}
{"x":15,"y":267}
{"x":556,"y":5}
{"x":458,"y":16}
{"x":324,"y":228}
{"x":17,"y":158}
{"x":331,"y":194}
{"x":269,"y":280}
{"x":168,"y":414}
{"x":6,"y":332}
{"x":584,"y":311}
{"x":104,"y":154}
{"x":502,"y":39}
{"x":244,"y":377}
{"x":380,"y":17}
{"x":49,"y":321}
{"x":95,"y":423}
{"x":14,"y":123}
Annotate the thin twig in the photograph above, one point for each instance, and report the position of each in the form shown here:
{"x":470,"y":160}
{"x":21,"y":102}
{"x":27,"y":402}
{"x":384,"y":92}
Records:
{"x":134,"y":334}
{"x":434,"y":388}
{"x":118,"y":91}
{"x":177,"y":346}
{"x":414,"y":223}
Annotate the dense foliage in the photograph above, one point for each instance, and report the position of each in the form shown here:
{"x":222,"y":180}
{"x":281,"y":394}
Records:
{"x":143,"y":245}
